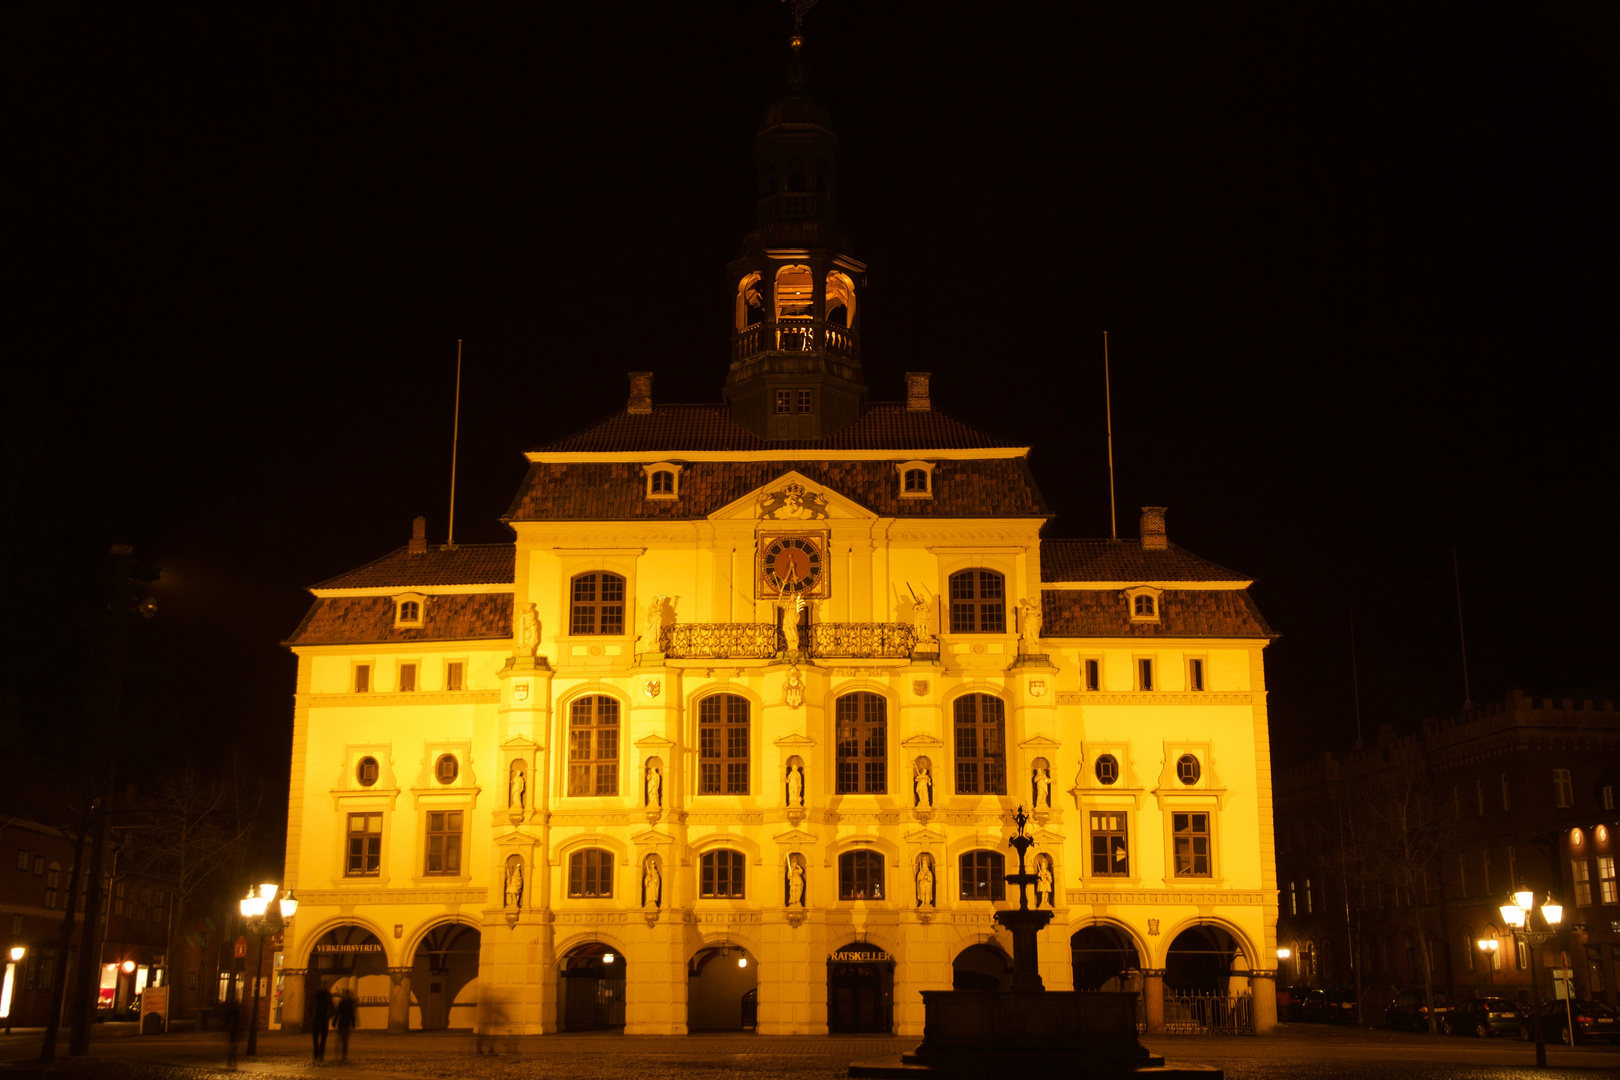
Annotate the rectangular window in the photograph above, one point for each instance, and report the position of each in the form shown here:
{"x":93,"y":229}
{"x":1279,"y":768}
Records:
{"x":191,"y":980}
{"x":39,"y":866}
{"x":1309,"y":905}
{"x":1506,"y":803}
{"x":407,"y":677}
{"x":362,"y":678}
{"x":444,"y":842}
{"x":984,"y":876}
{"x":593,"y":746}
{"x":1093,"y":674}
{"x":1479,"y":798}
{"x":723,"y":745}
{"x":1523,"y":956}
{"x":1608,"y":797}
{"x":22,"y":860}
{"x":1462,"y":875}
{"x":47,"y":967}
{"x":365,"y":846}
{"x":801,"y":401}
{"x":981,"y":755}
{"x":1144,"y":674}
{"x":1191,"y":838}
{"x":118,"y":899}
{"x":1293,"y":898}
{"x":1195,"y":674}
{"x":862,"y":737}
{"x":590,"y":874}
{"x":1563,"y":790}
{"x":1485,"y":862}
{"x":452,"y":674}
{"x":1581,"y":872}
{"x":1110,"y":844}
{"x":720,"y":875}
{"x":1606,"y":884}
{"x":784,"y":401}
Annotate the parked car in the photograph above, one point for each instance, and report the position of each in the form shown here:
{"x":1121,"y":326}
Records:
{"x":1484,"y":1017}
{"x":1411,"y":1013}
{"x":1330,"y":1007}
{"x":1594,"y":1022}
{"x":1291,"y":1002}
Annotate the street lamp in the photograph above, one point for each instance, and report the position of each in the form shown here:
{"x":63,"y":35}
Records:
{"x":255,"y":909}
{"x":17,"y":953}
{"x":1516,"y":913}
{"x":1487,"y":945}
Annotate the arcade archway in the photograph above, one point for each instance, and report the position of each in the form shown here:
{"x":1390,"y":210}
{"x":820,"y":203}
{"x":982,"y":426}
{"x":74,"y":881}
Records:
{"x":1103,"y":957}
{"x":981,"y":967}
{"x":590,"y":992}
{"x":1202,"y":960}
{"x":351,"y":959}
{"x":722,"y":990}
{"x":444,"y":979}
{"x":860,"y":990}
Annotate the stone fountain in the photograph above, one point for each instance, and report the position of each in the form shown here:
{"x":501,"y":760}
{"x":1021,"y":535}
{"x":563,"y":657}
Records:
{"x":1028,"y":1031}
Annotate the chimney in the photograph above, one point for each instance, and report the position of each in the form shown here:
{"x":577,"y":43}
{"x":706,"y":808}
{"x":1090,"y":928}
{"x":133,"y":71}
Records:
{"x":1153,"y":537}
{"x":640,"y":393}
{"x":419,"y":536}
{"x":917,"y":391}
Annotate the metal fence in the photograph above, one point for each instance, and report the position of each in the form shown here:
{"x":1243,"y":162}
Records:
{"x":1206,"y":1014}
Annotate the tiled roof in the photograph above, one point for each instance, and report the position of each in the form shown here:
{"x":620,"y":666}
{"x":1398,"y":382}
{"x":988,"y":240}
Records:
{"x":466,"y":564}
{"x":676,"y":428}
{"x":1124,"y":560}
{"x":587,"y":491}
{"x":356,"y":620}
{"x":1182,"y":613}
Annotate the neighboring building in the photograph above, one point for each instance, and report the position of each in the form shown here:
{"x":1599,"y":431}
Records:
{"x":732,"y":733}
{"x":1511,"y":781}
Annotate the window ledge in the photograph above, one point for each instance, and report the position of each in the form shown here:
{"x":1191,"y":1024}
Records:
{"x":441,"y":879}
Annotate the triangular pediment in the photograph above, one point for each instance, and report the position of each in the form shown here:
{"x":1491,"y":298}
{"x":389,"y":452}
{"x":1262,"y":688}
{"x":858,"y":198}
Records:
{"x":921,"y":741}
{"x":1040,"y":743}
{"x":795,"y":836}
{"x":773,"y":504}
{"x":796,"y":740}
{"x":654,"y":742}
{"x":924,"y":835}
{"x":651,"y":838}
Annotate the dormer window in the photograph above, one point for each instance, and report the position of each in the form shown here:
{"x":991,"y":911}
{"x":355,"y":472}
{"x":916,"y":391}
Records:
{"x":663,"y":480}
{"x":1144,"y":603}
{"x":916,"y":479}
{"x":793,"y":401}
{"x":408,"y":611}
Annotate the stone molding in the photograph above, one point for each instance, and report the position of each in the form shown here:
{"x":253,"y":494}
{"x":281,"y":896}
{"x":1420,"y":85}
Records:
{"x":1165,"y":896}
{"x":345,"y":898}
{"x":1083,"y":697}
{"x":410,"y":697}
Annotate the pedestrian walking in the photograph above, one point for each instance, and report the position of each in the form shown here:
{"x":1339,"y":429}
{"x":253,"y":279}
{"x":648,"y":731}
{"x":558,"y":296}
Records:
{"x":320,"y":1018}
{"x":233,"y":1020}
{"x":345,"y":1022}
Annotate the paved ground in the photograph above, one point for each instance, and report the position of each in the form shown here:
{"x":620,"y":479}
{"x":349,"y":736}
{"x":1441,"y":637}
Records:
{"x":1296,"y":1052}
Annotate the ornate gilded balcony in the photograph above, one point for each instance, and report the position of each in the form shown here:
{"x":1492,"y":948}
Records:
{"x":760,"y":641}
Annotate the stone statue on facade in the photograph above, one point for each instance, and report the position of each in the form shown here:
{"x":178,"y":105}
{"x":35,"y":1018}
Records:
{"x":925,"y":882}
{"x":920,"y":608}
{"x":1043,"y":880}
{"x":517,"y":787}
{"x":651,"y":883}
{"x":922,"y":786}
{"x":795,"y":883}
{"x":655,"y":623}
{"x":1030,"y":632}
{"x":795,"y":786}
{"x":527,"y":631}
{"x":790,"y":621}
{"x":1043,"y":788}
{"x":514,"y":882}
{"x":655,"y":786}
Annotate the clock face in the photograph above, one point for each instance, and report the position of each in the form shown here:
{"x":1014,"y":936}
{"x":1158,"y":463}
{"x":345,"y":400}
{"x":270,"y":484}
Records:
{"x":792,"y":564}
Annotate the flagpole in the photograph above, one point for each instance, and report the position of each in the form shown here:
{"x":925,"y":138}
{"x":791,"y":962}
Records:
{"x":455,"y":440}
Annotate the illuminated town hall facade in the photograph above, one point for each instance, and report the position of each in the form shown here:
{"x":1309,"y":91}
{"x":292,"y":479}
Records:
{"x":733,"y":732}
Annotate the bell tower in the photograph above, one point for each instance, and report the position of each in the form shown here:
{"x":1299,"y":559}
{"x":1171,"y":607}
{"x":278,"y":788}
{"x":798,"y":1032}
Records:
{"x":796,"y":344}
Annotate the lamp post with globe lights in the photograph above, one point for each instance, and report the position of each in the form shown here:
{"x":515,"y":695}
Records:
{"x":1516,"y":913}
{"x":1487,"y":945}
{"x":255,"y":910}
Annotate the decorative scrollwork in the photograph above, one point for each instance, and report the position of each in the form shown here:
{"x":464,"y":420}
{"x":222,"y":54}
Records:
{"x":721,"y":641}
{"x":862,"y":639}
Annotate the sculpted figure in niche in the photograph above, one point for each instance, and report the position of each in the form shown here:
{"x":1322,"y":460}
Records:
{"x":795,"y":786}
{"x":651,"y":883}
{"x":655,"y":786}
{"x":795,"y":883}
{"x":514,"y":882}
{"x":925,"y":882}
{"x":518,"y":786}
{"x":923,"y":786}
{"x":528,"y":630}
{"x":1043,"y":880}
{"x":1032,"y":621}
{"x":1043,"y":787}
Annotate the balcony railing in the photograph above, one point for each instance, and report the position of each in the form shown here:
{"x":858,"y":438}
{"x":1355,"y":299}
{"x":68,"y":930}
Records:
{"x":796,"y":335}
{"x":759,"y":641}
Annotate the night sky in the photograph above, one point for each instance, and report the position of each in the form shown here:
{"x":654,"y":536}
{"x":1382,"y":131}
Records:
{"x":1357,"y":264}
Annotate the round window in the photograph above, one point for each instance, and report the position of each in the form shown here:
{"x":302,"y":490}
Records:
{"x":447,"y":770}
{"x":1187,"y":769}
{"x":366,"y":771}
{"x":1107,"y":768}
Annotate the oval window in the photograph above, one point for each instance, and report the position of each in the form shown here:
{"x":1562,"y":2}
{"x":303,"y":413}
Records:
{"x":1107,"y":768}
{"x":1187,"y":769}
{"x":447,"y":770}
{"x":366,"y":771}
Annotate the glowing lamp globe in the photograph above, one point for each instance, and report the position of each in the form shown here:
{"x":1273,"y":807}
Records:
{"x":18,"y":952}
{"x":1552,"y":911}
{"x":1525,"y":899}
{"x":1513,"y":915}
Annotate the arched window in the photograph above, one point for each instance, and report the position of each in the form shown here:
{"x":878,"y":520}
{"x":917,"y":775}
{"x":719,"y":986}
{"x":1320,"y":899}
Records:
{"x":590,"y":874}
{"x":981,"y":755}
{"x":1144,"y":606}
{"x":860,"y":875}
{"x":598,"y":606}
{"x":840,"y":299}
{"x":795,"y":293}
{"x":723,"y":745}
{"x":593,"y":746}
{"x":1470,"y":945}
{"x":410,"y":611}
{"x":983,"y":876}
{"x":863,"y":740}
{"x":750,"y":304}
{"x":916,"y":481}
{"x":978,"y":603}
{"x":663,"y":482}
{"x":720,"y":875}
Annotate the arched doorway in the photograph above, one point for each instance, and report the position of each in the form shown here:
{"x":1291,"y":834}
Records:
{"x":351,"y":959}
{"x":591,"y":988}
{"x":860,"y":989}
{"x":981,"y":967}
{"x":444,"y":979}
{"x":1201,"y":961}
{"x":722,"y":984}
{"x":1104,"y":958}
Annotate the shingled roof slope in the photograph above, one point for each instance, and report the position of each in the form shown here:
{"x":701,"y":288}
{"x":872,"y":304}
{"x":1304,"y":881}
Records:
{"x":356,"y":620}
{"x":676,"y":428}
{"x":1124,"y":560}
{"x":465,"y":564}
{"x":616,"y":491}
{"x":1182,"y":613}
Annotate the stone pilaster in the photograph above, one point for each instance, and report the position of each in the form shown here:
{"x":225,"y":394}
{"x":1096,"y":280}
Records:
{"x":399,"y":1000}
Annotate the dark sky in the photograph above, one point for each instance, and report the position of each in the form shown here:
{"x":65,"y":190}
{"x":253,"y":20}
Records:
{"x":1357,"y":262}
